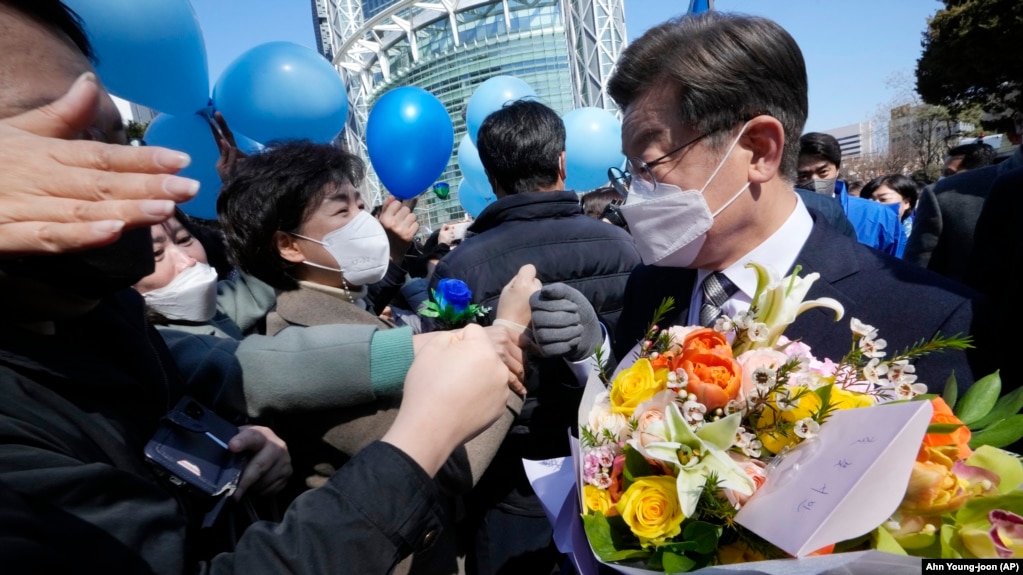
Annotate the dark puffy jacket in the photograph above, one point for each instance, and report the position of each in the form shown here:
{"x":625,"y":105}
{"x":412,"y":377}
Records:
{"x":548,"y":230}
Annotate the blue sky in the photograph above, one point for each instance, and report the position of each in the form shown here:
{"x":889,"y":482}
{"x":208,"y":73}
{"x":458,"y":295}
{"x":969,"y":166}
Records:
{"x":851,"y":46}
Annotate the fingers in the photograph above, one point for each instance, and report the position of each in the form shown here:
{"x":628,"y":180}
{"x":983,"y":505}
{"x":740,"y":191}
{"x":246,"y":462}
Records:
{"x":67,"y":116}
{"x":270,"y":466}
{"x":224,"y":129}
{"x":34,"y":238}
{"x":508,"y":349}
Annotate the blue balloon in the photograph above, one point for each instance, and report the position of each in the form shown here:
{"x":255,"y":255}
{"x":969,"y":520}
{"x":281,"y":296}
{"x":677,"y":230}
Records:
{"x":282,"y":91}
{"x":471,"y":166}
{"x":473,"y":201}
{"x":191,"y":134}
{"x":490,"y":97}
{"x":593,"y":144}
{"x":409,"y":137}
{"x":149,"y":52}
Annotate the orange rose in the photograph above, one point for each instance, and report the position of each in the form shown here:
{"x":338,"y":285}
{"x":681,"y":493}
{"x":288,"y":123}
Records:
{"x":960,"y":437}
{"x":714,"y":375}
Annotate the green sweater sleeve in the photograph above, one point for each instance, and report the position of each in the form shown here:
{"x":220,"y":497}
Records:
{"x":322,"y":367}
{"x":391,"y":355}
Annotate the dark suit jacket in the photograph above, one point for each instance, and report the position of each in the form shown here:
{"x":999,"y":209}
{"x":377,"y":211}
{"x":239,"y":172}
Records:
{"x":903,"y":301}
{"x":998,"y":249}
{"x":946,"y":217}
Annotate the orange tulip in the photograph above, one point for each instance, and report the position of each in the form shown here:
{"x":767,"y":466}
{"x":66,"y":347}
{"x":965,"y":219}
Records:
{"x":960,"y":437}
{"x":714,"y":375}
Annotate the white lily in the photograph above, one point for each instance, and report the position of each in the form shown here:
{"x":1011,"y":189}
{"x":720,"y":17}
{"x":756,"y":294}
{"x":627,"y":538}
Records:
{"x":779,"y":301}
{"x":697,"y":455}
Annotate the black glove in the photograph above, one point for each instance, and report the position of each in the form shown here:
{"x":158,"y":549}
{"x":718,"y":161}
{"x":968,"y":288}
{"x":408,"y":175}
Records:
{"x":564,"y":323}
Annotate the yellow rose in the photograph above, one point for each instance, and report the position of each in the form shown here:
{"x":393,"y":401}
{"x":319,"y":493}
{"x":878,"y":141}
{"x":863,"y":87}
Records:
{"x":596,"y":499}
{"x":635,"y":385}
{"x":774,"y":427}
{"x":651,"y":510}
{"x":845,"y":399}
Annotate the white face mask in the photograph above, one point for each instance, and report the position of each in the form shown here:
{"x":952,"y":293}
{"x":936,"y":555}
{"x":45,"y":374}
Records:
{"x":670,"y":225}
{"x":191,"y":295}
{"x":360,"y":248}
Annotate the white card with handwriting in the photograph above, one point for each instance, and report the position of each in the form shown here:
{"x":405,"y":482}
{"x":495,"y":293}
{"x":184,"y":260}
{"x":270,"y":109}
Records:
{"x":842,"y":484}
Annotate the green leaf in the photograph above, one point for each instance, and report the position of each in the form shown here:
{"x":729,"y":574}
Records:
{"x":674,"y":563}
{"x":979,"y":399}
{"x":704,"y":535}
{"x":942,"y":428}
{"x":636,"y":466}
{"x":883,"y":541}
{"x":1005,"y":432}
{"x":824,"y":392}
{"x":598,"y":531}
{"x":1007,"y":406}
{"x":951,"y":392}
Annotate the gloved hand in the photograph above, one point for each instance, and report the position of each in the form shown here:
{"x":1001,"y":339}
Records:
{"x":564,"y":323}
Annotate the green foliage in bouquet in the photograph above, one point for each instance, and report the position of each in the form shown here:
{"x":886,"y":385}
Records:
{"x":992,"y":420}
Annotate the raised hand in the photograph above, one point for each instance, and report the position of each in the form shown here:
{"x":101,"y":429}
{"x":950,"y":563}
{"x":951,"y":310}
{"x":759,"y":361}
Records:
{"x":62,"y":194}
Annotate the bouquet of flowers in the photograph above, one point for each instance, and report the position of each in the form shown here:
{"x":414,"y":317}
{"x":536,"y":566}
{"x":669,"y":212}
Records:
{"x":450,"y":305}
{"x":684,"y":436}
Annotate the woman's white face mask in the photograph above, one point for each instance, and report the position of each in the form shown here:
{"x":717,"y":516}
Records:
{"x":360,"y":249}
{"x":191,"y":295}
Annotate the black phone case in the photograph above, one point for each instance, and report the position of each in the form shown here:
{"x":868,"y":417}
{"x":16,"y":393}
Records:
{"x":191,"y":447}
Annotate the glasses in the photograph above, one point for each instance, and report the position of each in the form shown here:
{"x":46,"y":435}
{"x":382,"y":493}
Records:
{"x":637,"y":168}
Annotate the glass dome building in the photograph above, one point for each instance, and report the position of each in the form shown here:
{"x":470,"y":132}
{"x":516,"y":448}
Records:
{"x":564,"y":49}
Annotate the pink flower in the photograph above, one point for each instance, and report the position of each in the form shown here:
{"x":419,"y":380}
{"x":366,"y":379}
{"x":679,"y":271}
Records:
{"x":650,"y":420}
{"x":1006,"y":532}
{"x":758,"y":358}
{"x":754,"y":468}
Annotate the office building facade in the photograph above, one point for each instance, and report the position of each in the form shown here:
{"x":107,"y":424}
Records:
{"x":565,"y":49}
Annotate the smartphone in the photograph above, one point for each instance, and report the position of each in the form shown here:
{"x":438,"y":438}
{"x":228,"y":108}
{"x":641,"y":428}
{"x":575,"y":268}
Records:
{"x":459,"y":230}
{"x":190,"y":449}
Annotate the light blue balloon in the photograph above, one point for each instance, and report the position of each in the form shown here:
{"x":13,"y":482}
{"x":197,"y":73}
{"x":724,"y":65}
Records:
{"x":409,"y":138}
{"x":191,"y":134}
{"x":149,"y":52}
{"x":471,"y":166}
{"x":473,"y":200}
{"x":593,"y":144}
{"x":490,"y":97}
{"x":247,"y":144}
{"x":282,"y":91}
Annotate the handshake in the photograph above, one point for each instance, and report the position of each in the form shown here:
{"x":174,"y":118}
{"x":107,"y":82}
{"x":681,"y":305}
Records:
{"x":563,"y":321}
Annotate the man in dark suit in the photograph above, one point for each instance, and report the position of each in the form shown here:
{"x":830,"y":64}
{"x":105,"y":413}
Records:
{"x":946,"y":217}
{"x":713,"y":109}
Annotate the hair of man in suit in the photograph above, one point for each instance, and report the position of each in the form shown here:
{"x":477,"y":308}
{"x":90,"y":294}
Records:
{"x":522,"y":148}
{"x":968,"y":157}
{"x":729,"y":68}
{"x":277,"y":190}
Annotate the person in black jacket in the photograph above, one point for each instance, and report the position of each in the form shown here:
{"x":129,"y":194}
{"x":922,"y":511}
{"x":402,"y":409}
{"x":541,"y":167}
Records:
{"x":534,"y":221}
{"x":86,"y":380}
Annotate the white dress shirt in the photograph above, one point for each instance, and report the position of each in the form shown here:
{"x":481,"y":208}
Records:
{"x":779,"y":252}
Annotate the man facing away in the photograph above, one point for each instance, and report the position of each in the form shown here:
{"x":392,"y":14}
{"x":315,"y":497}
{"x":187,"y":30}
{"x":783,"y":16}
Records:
{"x":534,"y":220}
{"x":713,"y":108}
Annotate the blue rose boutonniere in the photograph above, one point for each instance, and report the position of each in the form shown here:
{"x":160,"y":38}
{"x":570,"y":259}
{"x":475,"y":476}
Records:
{"x":451,"y":305}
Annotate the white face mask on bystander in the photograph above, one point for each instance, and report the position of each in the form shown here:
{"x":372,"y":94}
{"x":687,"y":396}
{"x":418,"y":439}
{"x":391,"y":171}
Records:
{"x":191,"y":295}
{"x":360,"y":248}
